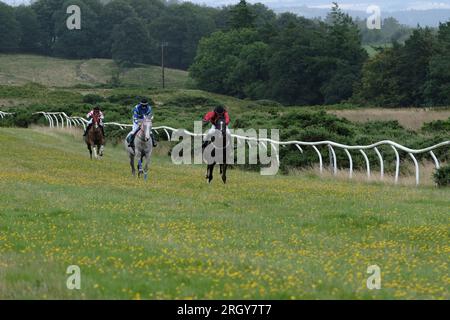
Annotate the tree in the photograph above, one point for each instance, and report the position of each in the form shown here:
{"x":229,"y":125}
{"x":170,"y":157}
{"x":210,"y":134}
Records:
{"x":437,"y":86}
{"x":294,"y":56}
{"x":75,"y":43}
{"x":379,"y":83}
{"x":130,"y":42}
{"x":346,"y":57}
{"x":31,"y":35}
{"x":113,"y":14}
{"x":217,"y":57}
{"x":242,"y":16}
{"x":9,"y":29}
{"x":148,"y":10}
{"x":249,"y":76}
{"x":45,"y":10}
{"x":182,"y":26}
{"x":415,"y":57}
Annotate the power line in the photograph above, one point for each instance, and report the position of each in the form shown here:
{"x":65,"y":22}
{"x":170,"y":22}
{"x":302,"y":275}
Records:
{"x":163,"y":44}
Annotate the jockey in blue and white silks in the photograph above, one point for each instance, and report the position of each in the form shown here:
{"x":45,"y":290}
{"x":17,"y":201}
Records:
{"x":143,"y":109}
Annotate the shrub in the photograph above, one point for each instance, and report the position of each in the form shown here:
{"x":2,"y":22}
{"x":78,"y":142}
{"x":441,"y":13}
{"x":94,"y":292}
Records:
{"x":124,"y":99}
{"x":185,"y":101}
{"x":442,"y":176}
{"x":93,"y":98}
{"x":437,"y":126}
{"x":269,"y":103}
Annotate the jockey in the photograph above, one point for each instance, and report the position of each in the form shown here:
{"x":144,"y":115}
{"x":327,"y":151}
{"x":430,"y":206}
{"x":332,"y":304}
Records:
{"x":90,"y":117}
{"x":212,"y":117}
{"x":143,"y":109}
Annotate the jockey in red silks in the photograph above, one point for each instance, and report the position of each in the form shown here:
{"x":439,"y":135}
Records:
{"x":90,"y":116}
{"x":212,"y":117}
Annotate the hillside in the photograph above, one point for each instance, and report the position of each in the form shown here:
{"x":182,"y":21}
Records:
{"x":270,"y":238}
{"x":19,"y":69}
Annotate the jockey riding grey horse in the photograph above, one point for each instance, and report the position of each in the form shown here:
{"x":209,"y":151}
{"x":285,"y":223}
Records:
{"x":143,"y":147}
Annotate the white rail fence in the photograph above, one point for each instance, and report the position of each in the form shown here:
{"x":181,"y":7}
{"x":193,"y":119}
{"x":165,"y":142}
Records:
{"x":5,"y":114}
{"x":61,"y":120}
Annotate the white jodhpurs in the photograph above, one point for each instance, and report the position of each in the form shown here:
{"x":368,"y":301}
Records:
{"x":90,"y":122}
{"x":212,"y":130}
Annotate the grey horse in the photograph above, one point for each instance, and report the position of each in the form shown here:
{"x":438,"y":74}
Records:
{"x":143,"y":147}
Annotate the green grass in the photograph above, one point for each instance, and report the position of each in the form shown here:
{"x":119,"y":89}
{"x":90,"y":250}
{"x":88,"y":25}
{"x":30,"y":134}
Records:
{"x":19,"y":69}
{"x":281,"y":237}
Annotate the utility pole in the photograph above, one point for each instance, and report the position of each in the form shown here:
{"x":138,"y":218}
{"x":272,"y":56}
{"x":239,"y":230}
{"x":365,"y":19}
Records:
{"x":163,"y":44}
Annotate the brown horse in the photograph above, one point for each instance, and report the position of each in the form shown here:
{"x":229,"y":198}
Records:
{"x":95,"y":139}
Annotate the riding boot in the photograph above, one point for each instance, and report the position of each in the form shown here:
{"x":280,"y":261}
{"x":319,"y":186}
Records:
{"x":103,"y":131}
{"x":154,"y":142}
{"x":130,"y":140}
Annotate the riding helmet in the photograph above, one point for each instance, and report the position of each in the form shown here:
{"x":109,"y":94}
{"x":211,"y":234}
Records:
{"x":96,"y":108}
{"x":219,"y":110}
{"x":144,"y":102}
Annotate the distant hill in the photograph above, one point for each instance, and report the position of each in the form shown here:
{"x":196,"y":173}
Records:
{"x":18,"y":69}
{"x":411,"y":18}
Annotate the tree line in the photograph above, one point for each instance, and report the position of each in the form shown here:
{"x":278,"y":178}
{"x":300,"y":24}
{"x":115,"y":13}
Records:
{"x":246,"y":50}
{"x":416,"y":73}
{"x":287,"y":58}
{"x":129,"y":31}
{"x":300,"y":61}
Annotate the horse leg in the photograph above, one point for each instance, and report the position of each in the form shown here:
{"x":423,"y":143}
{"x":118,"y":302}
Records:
{"x":223,"y":166}
{"x":210,"y":172}
{"x":223,"y":169}
{"x":90,"y":150}
{"x":138,"y":157}
{"x":133,"y":169}
{"x":147,"y":161}
{"x":148,"y":158}
{"x":101,"y":148}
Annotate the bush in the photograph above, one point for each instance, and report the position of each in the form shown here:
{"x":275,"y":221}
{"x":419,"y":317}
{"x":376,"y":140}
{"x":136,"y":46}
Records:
{"x":442,"y":176}
{"x":185,"y":101}
{"x":437,"y":126}
{"x":93,"y":98}
{"x":125,"y":99}
{"x":269,"y":103}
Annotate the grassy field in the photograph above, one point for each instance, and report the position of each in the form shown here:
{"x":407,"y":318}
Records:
{"x":284,"y":237}
{"x":19,"y":69}
{"x":411,"y":118}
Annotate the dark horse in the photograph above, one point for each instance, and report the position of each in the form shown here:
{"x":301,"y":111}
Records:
{"x":221,"y":127}
{"x":95,"y":139}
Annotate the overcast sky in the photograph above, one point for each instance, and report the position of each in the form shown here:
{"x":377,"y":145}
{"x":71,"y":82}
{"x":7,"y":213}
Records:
{"x":346,"y":4}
